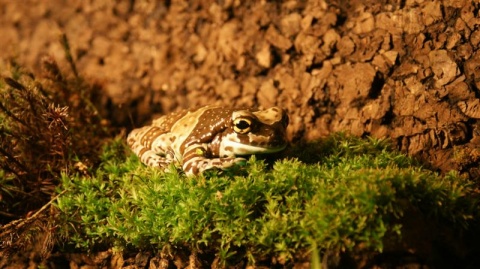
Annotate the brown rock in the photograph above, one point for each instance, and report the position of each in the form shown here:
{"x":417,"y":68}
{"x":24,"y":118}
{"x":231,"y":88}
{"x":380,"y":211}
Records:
{"x":407,"y":126}
{"x":330,"y":39}
{"x":264,"y":56}
{"x":195,"y":83}
{"x":385,"y":61}
{"x":455,"y":3}
{"x":406,"y":68}
{"x":250,"y":86}
{"x":444,"y":68}
{"x":285,"y":80}
{"x":200,"y":53}
{"x":461,"y":27}
{"x":290,"y":24}
{"x":388,"y":22}
{"x":276,"y":39}
{"x":459,"y":90}
{"x":453,"y":38}
{"x":468,"y":16}
{"x":346,"y":46}
{"x":307,"y":44}
{"x":355,"y":82}
{"x":158,"y":263}
{"x":465,"y":51}
{"x":471,"y":69}
{"x":366,"y":48}
{"x":432,"y":12}
{"x":312,"y":86}
{"x":365,"y":23}
{"x":228,"y":42}
{"x":228,"y":89}
{"x":414,"y":86}
{"x":471,"y":108}
{"x":399,"y":22}
{"x":475,"y":38}
{"x":267,"y":94}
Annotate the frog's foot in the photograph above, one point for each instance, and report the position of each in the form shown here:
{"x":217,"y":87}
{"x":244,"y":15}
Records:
{"x":150,"y":158}
{"x":141,"y":142}
{"x":199,"y":164}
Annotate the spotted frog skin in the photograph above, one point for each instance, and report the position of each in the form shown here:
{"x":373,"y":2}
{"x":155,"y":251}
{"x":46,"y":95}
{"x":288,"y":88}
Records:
{"x":209,"y":137}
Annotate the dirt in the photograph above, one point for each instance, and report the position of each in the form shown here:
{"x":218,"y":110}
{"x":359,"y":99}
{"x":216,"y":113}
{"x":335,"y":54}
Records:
{"x":405,"y":70}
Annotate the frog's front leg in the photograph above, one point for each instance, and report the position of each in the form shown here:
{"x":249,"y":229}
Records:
{"x":145,"y":143}
{"x":196,"y":160}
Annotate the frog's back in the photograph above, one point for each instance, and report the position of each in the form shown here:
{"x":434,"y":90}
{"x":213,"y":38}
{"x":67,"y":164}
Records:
{"x":166,"y":122}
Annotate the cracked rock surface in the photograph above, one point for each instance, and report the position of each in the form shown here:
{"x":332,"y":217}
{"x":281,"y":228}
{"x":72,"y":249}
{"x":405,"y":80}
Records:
{"x":406,"y":70}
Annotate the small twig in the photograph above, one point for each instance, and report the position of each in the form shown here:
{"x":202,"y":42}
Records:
{"x":8,"y":215}
{"x":10,"y":157}
{"x":17,"y":224}
{"x":14,"y":84}
{"x":10,"y":114}
{"x":68,"y":53}
{"x":42,"y":91}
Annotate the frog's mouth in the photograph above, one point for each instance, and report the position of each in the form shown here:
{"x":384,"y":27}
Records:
{"x":238,"y":148}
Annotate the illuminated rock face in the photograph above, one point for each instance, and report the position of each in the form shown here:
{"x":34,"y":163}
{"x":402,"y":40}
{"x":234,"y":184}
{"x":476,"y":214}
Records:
{"x":405,"y":70}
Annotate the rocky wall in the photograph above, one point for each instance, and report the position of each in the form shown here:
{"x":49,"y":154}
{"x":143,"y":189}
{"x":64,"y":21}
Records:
{"x":407,"y":70}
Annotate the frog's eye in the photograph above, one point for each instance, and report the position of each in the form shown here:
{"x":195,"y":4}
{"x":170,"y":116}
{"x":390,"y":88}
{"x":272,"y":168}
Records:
{"x":242,"y":126}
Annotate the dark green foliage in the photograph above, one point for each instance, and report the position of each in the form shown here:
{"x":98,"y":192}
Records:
{"x":48,"y":125}
{"x":354,"y":196}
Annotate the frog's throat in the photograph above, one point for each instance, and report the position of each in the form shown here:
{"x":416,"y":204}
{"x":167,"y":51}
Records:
{"x":243,"y":149}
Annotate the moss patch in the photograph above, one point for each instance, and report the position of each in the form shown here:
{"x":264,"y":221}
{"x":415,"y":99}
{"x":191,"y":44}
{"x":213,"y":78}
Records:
{"x":354,"y":196}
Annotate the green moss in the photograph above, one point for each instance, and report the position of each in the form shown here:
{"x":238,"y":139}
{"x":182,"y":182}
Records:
{"x":354,"y":195}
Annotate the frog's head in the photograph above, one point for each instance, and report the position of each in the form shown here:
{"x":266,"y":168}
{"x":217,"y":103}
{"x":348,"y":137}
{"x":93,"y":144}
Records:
{"x":254,"y":132}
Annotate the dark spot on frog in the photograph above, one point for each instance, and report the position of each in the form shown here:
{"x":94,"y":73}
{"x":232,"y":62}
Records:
{"x":172,"y":138}
{"x":143,"y":151}
{"x":228,"y":149}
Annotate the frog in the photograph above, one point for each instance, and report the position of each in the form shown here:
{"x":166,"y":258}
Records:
{"x":209,"y":137}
